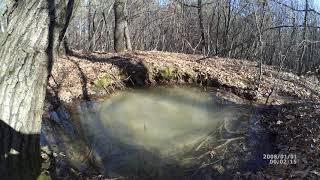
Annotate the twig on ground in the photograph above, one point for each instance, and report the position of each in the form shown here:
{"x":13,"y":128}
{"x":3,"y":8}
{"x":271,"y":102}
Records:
{"x":228,"y":141}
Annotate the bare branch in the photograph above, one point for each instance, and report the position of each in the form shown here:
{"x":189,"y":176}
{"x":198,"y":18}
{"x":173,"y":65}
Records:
{"x":290,"y":26}
{"x":192,"y":5}
{"x":294,"y":9}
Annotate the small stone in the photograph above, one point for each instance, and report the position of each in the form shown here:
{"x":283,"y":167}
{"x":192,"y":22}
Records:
{"x":279,"y":122}
{"x":46,"y":149}
{"x":55,"y":154}
{"x":44,"y":156}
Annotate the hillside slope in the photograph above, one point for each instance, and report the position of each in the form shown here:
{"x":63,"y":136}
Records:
{"x":98,"y":74}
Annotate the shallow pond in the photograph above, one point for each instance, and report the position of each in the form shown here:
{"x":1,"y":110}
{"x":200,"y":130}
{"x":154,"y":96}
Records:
{"x":168,"y":133}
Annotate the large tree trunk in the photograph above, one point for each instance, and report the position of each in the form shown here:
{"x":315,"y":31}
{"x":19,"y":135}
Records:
{"x":121,"y":31}
{"x":27,"y":52}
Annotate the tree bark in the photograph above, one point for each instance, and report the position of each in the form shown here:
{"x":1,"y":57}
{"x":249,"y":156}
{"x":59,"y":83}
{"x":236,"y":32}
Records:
{"x":1,"y":27}
{"x":217,"y":29}
{"x":203,"y":40}
{"x":90,"y":25}
{"x":304,"y":36}
{"x":27,"y":52}
{"x":121,"y":32}
{"x":127,"y":37}
{"x":227,"y":26}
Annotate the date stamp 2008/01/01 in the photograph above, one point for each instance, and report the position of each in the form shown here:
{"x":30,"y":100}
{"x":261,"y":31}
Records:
{"x":283,"y":159}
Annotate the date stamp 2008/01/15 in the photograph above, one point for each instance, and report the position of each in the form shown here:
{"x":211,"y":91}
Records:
{"x":283,"y":159}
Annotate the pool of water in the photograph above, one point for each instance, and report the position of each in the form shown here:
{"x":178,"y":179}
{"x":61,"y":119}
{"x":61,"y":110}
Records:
{"x":162,"y":132}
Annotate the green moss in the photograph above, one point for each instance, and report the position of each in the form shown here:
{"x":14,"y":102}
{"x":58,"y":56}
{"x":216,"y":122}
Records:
{"x":166,"y":73}
{"x":178,"y":74}
{"x":44,"y":177}
{"x":104,"y":81}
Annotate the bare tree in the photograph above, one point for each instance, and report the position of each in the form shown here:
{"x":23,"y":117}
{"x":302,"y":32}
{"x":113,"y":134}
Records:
{"x":225,"y":28}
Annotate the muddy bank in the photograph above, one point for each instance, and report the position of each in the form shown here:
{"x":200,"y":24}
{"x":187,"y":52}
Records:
{"x":84,"y":75}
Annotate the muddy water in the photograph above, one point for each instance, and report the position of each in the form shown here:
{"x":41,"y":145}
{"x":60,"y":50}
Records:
{"x":153,"y":133}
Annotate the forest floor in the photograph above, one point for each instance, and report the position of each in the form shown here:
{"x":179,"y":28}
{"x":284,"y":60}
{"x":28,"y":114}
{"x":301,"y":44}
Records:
{"x":292,"y":115}
{"x":98,"y":74}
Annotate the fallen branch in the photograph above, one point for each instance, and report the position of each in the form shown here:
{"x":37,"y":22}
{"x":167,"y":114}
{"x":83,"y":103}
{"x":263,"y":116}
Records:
{"x":228,"y":141}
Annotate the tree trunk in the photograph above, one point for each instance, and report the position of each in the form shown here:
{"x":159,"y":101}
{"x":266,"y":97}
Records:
{"x":226,"y":27}
{"x":127,"y":37}
{"x":27,"y":52}
{"x":217,"y":29}
{"x":121,"y":32}
{"x":203,"y":40}
{"x":304,"y":36}
{"x":90,"y":25}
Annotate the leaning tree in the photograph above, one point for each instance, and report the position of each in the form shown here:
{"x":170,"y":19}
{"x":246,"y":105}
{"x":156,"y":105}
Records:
{"x":27,"y":52}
